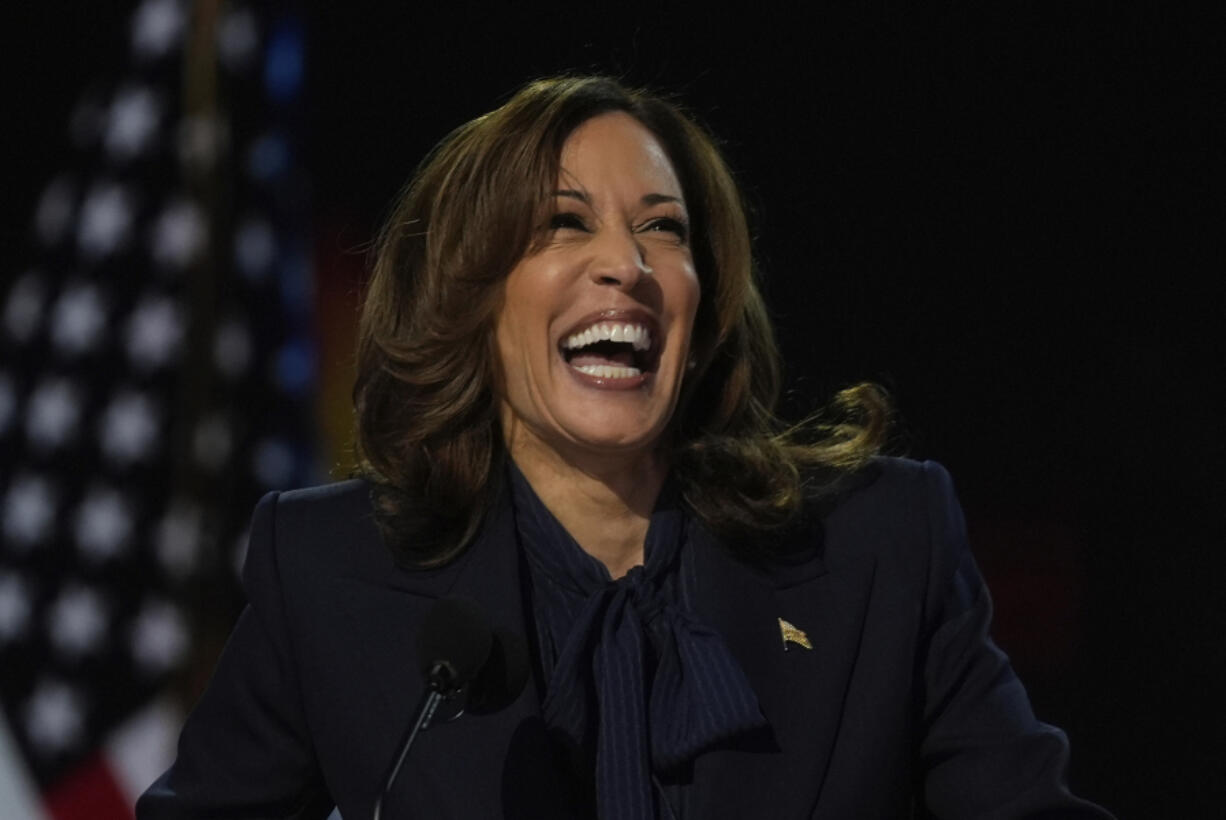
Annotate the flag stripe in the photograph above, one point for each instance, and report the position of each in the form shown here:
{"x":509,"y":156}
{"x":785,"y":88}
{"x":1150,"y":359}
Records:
{"x":143,"y":747}
{"x":19,"y":798}
{"x":89,"y":791}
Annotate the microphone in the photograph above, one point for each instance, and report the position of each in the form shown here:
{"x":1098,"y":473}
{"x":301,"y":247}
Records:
{"x":453,"y":644}
{"x":465,"y":662}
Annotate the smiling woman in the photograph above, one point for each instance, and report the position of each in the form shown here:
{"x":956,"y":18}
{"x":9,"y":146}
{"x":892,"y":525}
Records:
{"x":565,"y":411}
{"x":594,"y":332}
{"x":578,"y":207}
{"x":614,"y":265}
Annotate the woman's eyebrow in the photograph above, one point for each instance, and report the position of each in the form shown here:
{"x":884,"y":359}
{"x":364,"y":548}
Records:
{"x":656,"y":199}
{"x":648,"y":199}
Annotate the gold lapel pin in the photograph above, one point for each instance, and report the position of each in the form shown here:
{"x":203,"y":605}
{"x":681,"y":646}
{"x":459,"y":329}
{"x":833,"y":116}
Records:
{"x":791,"y":634}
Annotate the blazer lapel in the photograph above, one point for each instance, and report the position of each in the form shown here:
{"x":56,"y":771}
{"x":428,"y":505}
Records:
{"x":801,"y":691}
{"x":490,"y":750}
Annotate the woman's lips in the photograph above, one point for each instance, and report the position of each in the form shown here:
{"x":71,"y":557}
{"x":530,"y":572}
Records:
{"x":612,"y":348}
{"x":614,"y":316}
{"x":610,"y":370}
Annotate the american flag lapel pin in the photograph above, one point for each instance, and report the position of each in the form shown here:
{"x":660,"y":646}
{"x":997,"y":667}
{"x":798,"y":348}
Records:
{"x":791,"y":634}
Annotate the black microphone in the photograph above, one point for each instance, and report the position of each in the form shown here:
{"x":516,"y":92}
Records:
{"x":467,"y":664}
{"x":453,"y":643}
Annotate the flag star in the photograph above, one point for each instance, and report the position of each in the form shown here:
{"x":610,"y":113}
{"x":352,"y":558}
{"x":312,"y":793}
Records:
{"x":24,"y":309}
{"x":295,"y":367}
{"x":273,"y":463}
{"x":211,"y":442}
{"x":179,"y":234}
{"x":15,"y":607}
{"x":178,"y":539}
{"x":53,"y":217}
{"x":106,"y":220}
{"x":283,"y":61}
{"x":237,"y":38}
{"x":255,"y":247}
{"x":159,"y":638}
{"x":103,"y":524}
{"x":268,"y":157}
{"x":29,"y":510}
{"x":78,"y":318}
{"x":157,"y":27}
{"x":131,"y":122}
{"x":232,"y":348}
{"x":8,"y":402}
{"x":294,"y":271}
{"x":53,"y":413}
{"x":154,"y":333}
{"x":77,"y":622}
{"x":129,"y":427}
{"x":54,"y":718}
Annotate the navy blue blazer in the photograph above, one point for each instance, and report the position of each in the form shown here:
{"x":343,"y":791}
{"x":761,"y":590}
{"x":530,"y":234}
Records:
{"x":902,"y":708}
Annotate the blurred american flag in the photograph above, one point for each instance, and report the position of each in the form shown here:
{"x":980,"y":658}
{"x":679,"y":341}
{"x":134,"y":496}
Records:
{"x":157,"y":369}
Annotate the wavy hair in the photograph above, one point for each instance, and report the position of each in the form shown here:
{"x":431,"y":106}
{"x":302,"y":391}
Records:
{"x":429,"y":439}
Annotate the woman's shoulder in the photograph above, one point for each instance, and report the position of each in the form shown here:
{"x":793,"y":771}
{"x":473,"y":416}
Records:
{"x":895,"y":506}
{"x":329,"y":528}
{"x":890,"y":486}
{"x":323,"y":504}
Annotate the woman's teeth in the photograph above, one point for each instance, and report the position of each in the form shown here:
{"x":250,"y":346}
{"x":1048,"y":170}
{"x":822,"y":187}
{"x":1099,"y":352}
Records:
{"x":636,"y":335}
{"x":604,"y":371}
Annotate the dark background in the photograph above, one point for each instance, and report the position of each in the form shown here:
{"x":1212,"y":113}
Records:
{"x":1009,"y":214}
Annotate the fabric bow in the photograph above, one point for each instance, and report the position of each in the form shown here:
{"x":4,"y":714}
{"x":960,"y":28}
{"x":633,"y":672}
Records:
{"x":639,"y":680}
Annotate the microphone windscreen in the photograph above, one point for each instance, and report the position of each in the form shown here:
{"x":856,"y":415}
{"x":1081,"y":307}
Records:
{"x":455,"y":632}
{"x":503,"y":676}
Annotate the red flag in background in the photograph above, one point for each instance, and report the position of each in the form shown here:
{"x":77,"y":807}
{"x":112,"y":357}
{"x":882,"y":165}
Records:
{"x":157,"y":367}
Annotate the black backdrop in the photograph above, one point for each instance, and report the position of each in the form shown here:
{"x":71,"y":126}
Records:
{"x":1007,"y":213}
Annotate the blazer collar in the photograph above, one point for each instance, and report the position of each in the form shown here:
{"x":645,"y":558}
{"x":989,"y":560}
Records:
{"x":801,"y":691}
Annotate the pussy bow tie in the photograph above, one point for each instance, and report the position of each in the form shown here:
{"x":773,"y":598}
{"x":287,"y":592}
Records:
{"x":697,"y":696}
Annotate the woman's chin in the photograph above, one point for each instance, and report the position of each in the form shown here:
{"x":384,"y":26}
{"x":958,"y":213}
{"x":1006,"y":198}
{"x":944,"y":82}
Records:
{"x":614,"y":425}
{"x":614,"y":442}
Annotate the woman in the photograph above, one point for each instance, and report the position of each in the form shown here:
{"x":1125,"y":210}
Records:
{"x":564,"y":405}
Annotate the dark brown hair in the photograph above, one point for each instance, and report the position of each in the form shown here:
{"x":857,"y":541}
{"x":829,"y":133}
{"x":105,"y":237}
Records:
{"x":428,"y":432}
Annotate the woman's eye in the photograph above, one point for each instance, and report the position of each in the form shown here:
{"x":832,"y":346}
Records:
{"x":566,"y":221}
{"x":669,"y":225}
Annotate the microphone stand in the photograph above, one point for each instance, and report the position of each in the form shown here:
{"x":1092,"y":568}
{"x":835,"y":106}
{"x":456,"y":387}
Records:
{"x":441,"y":687}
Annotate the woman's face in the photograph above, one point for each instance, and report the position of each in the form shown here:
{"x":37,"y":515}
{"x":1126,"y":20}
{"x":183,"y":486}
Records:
{"x":594,"y":331}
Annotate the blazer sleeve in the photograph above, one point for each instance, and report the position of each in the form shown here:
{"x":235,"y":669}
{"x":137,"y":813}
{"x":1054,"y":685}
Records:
{"x":983,"y":753}
{"x":245,"y":750}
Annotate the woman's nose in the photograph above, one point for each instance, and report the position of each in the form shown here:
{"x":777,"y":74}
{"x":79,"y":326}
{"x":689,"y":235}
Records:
{"x":619,"y":262}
